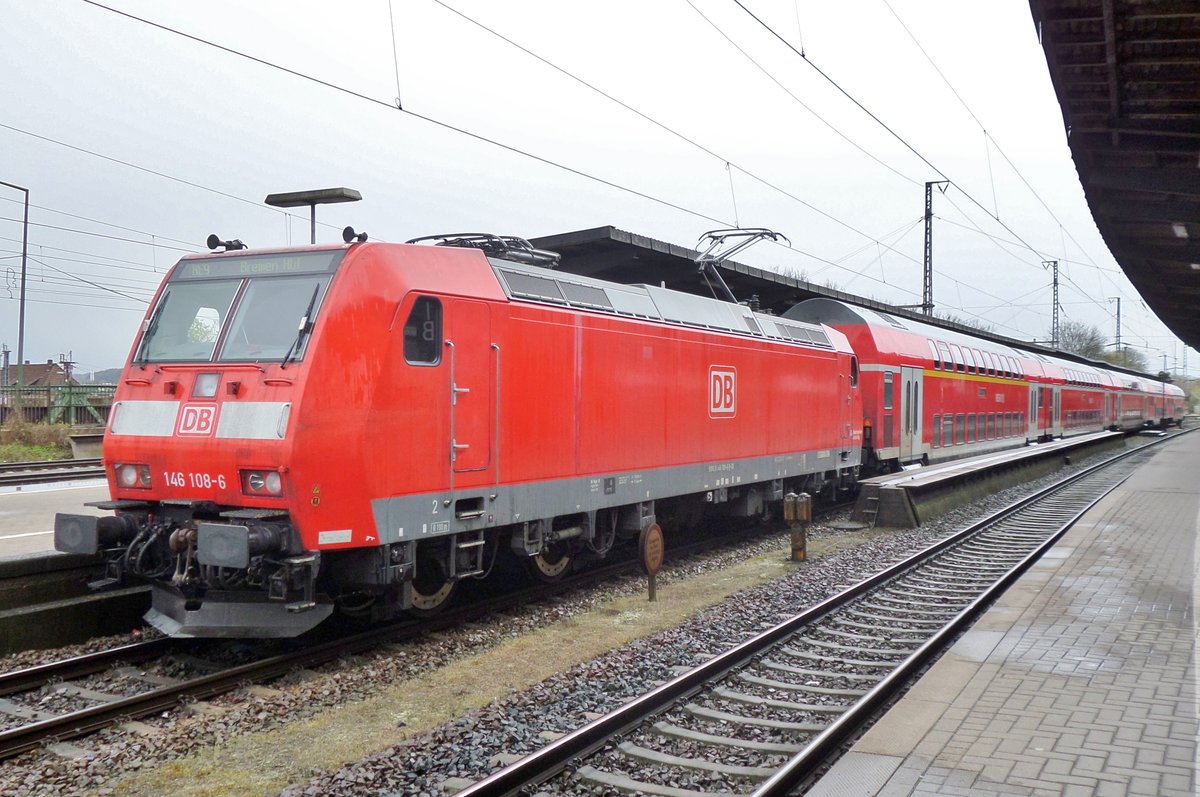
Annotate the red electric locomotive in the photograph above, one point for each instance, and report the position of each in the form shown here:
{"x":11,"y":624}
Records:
{"x":368,"y":425}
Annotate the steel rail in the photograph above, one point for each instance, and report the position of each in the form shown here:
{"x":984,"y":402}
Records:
{"x":30,"y":678}
{"x":803,"y":765}
{"x":550,"y":760}
{"x":15,"y":473}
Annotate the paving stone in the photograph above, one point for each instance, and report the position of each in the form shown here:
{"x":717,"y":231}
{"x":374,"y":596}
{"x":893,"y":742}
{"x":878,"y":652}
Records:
{"x":1092,"y":688}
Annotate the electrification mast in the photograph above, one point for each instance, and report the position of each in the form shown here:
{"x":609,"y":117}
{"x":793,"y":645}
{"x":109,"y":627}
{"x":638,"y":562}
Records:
{"x":927,"y":282}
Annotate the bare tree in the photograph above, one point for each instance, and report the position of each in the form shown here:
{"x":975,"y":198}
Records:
{"x":1082,"y":339}
{"x":972,"y":323}
{"x":1128,"y":358}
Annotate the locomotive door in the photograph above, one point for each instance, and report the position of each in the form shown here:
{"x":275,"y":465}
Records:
{"x":472,"y":406}
{"x":910,"y":413}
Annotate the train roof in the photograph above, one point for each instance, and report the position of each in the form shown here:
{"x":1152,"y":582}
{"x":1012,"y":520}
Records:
{"x":883,"y":327}
{"x":655,"y":303}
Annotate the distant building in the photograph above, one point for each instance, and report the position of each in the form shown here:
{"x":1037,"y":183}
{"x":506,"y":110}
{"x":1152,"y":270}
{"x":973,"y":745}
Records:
{"x":46,"y":374}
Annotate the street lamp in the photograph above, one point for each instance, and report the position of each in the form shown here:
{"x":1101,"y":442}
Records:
{"x":24,"y":252}
{"x":322,"y":196}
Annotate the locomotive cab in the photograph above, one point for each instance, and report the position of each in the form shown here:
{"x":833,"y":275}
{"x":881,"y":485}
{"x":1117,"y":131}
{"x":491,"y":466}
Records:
{"x":197,"y":449}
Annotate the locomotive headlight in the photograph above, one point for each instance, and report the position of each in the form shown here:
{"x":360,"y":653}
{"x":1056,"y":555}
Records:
{"x":135,"y":476}
{"x":206,"y":385}
{"x":262,"y":482}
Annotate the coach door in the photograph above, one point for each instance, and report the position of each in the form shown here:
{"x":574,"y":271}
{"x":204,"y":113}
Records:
{"x":1056,"y":427}
{"x":1043,"y":412}
{"x":472,"y":359}
{"x":910,"y":413}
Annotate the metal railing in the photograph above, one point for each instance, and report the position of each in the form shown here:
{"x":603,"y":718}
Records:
{"x":74,"y":405}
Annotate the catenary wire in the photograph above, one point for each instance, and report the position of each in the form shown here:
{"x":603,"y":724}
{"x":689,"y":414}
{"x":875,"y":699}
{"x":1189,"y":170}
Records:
{"x":474,"y":135}
{"x":892,"y":132}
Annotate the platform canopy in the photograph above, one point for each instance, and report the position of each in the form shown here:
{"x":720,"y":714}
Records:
{"x":1127,"y":75}
{"x":616,"y":255}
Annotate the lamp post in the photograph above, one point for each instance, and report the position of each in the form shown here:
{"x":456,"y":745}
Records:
{"x":322,"y":196}
{"x":24,"y":253}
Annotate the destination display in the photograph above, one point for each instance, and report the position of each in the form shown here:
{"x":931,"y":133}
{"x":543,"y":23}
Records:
{"x":259,"y":265}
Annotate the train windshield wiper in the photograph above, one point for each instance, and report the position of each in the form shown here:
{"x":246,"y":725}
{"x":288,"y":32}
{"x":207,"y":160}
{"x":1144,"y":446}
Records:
{"x":305,"y":326}
{"x":143,"y":352}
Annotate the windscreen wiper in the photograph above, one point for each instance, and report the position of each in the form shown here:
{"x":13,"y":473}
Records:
{"x":143,"y":351}
{"x":305,"y":326}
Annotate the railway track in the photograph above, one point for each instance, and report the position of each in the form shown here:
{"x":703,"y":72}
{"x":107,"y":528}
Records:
{"x":17,"y":473}
{"x":103,"y":689}
{"x":762,"y":717}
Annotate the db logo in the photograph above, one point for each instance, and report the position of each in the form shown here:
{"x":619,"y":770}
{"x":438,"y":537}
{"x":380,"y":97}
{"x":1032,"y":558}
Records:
{"x":722,"y":391}
{"x":198,"y":419}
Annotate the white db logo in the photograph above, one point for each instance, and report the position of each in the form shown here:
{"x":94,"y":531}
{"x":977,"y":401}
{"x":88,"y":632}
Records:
{"x":198,"y":419}
{"x":722,"y":391}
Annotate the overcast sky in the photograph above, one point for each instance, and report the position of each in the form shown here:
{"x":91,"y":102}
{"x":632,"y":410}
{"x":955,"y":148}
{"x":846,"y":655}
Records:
{"x":664,"y":118}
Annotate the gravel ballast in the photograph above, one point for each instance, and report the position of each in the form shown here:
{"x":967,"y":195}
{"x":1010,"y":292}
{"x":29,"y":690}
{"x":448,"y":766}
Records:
{"x":243,"y":744}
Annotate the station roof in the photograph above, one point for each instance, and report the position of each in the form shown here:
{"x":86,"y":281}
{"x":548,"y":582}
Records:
{"x":1127,"y":75}
{"x":611,"y":254}
{"x":615,"y":255}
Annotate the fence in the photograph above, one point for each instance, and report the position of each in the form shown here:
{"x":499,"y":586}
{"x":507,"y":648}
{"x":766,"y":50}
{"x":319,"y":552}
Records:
{"x":75,"y":405}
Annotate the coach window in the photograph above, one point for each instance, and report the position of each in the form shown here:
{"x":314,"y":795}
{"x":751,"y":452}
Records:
{"x":971,"y":363}
{"x":937,"y":431}
{"x":991,"y":426}
{"x":947,"y":429}
{"x":970,"y":427}
{"x":960,"y":429}
{"x":937,"y":358}
{"x":888,"y":379}
{"x":947,"y":363}
{"x":423,"y":332}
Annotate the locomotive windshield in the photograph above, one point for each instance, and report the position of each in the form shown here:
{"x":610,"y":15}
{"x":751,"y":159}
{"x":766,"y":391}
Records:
{"x":238,"y":309}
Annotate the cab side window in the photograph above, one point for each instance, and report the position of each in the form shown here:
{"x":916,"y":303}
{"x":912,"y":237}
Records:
{"x":423,"y":332}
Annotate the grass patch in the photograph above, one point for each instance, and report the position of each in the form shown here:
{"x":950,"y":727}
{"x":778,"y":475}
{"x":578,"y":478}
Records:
{"x":263,"y":763}
{"x":30,"y":442}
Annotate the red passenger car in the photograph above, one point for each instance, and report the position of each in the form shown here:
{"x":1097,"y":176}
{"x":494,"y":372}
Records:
{"x":932,"y":394}
{"x":369,"y":425}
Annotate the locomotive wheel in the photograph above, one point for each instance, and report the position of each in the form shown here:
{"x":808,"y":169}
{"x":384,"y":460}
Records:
{"x":431,"y":590}
{"x":552,"y":563}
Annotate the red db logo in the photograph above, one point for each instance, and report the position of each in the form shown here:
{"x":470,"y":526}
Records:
{"x":722,"y":391}
{"x":197,"y":419}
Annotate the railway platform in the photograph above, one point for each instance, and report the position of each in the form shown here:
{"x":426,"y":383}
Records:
{"x":1080,"y":680}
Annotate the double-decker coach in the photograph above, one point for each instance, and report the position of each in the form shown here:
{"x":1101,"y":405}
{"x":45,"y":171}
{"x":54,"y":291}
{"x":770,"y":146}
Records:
{"x":929,"y":393}
{"x":933,"y":394}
